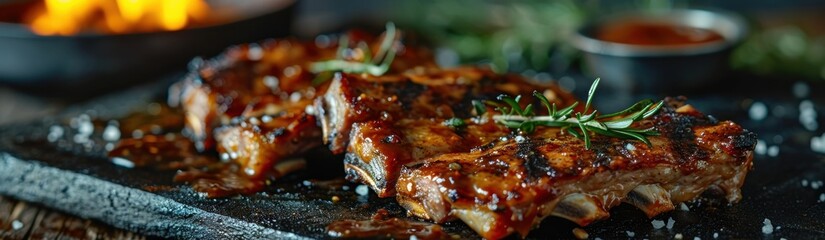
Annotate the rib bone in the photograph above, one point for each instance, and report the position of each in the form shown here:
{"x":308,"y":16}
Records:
{"x":650,"y":198}
{"x":580,"y":208}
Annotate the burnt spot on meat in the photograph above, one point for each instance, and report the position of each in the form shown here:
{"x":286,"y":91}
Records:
{"x":409,"y":93}
{"x":535,"y":163}
{"x":743,"y":143}
{"x":678,"y":127}
{"x":602,"y":150}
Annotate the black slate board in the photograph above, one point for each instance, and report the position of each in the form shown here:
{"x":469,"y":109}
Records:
{"x":88,"y":185}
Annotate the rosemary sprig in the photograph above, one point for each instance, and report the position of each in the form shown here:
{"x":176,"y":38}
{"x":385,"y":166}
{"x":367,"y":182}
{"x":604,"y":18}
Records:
{"x":375,"y":66}
{"x":579,"y":124}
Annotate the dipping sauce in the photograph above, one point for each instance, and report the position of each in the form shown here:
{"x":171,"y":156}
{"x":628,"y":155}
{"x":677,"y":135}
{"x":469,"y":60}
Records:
{"x":655,"y":33}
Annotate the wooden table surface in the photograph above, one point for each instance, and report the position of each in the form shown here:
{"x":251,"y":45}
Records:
{"x":22,"y":220}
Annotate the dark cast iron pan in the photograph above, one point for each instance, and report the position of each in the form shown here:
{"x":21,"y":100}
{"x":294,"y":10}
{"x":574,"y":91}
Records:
{"x":87,"y":63}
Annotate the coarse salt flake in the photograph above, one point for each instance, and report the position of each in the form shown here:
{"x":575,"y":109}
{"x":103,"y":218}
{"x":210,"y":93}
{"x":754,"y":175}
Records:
{"x":362,"y":190}
{"x":657,"y":224}
{"x":767,"y":227}
{"x":16,"y":225}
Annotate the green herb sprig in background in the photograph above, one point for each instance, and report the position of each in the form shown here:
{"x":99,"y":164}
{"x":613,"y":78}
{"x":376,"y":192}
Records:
{"x":375,"y":66}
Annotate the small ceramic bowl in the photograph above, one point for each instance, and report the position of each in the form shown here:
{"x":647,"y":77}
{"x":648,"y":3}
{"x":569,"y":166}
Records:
{"x":637,"y":68}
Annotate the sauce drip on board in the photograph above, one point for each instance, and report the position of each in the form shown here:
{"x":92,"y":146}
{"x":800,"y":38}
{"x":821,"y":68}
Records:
{"x":382,"y":226}
{"x":655,"y":34}
{"x":156,"y":142}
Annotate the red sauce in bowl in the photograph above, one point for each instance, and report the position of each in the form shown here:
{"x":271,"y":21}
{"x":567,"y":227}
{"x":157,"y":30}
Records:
{"x":655,"y":34}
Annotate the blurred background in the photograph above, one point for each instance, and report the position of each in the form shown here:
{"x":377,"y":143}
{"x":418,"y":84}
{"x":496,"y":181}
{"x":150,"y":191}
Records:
{"x":57,"y":53}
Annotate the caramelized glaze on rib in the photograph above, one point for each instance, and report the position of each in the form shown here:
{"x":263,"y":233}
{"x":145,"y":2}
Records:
{"x":251,"y":105}
{"x":512,"y":184}
{"x":384,"y":123}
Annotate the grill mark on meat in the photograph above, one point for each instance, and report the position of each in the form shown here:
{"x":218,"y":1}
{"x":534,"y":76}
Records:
{"x":534,"y":163}
{"x":679,"y":129}
{"x":602,"y":150}
{"x":408,"y":94}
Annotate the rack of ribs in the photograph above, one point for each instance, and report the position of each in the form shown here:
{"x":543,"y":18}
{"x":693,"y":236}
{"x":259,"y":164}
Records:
{"x":250,"y":104}
{"x":428,"y":137}
{"x":510,"y":184}
{"x":383,"y":123}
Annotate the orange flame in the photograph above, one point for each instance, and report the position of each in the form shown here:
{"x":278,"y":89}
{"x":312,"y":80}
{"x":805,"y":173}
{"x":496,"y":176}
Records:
{"x":68,"y":17}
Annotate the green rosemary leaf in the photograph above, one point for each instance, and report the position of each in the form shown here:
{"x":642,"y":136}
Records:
{"x":511,"y":124}
{"x":386,"y":44}
{"x":639,"y":106}
{"x":479,"y":107}
{"x":646,"y":132}
{"x":634,"y":135}
{"x":574,"y":133}
{"x":606,"y":132}
{"x":590,"y":94}
{"x":528,"y":127}
{"x":513,"y":103}
{"x":653,"y":110}
{"x":596,"y":125}
{"x":455,"y":123}
{"x":585,"y":135}
{"x":589,"y":117}
{"x":566,"y":111}
{"x":553,"y":123}
{"x":619,"y":123}
{"x":626,"y":121}
{"x":545,"y":102}
{"x":528,"y":111}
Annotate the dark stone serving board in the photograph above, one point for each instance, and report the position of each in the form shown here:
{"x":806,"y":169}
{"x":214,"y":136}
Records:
{"x":88,"y":185}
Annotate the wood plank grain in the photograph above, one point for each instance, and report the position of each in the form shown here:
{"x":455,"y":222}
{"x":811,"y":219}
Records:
{"x":47,"y":226}
{"x":22,"y":220}
{"x":5,"y":210}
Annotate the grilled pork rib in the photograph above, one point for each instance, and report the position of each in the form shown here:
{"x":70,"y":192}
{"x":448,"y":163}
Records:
{"x":380,"y":122}
{"x":513,"y":183}
{"x":219,"y":90}
{"x":251,"y":103}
